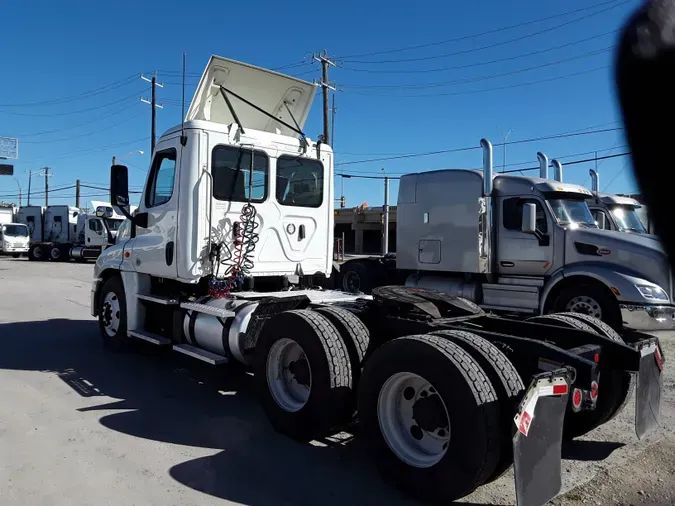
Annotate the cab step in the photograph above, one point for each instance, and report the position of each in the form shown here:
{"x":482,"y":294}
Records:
{"x":206,"y":309}
{"x":159,"y":299}
{"x":149,"y":337}
{"x":198,"y":353}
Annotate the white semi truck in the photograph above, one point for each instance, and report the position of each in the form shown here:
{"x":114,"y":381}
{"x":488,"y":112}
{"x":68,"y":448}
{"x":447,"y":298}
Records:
{"x":222,"y":261}
{"x":519,"y":245}
{"x":63,"y":232}
{"x":13,"y":236}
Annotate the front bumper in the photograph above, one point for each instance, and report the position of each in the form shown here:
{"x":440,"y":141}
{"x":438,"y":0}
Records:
{"x":14,"y":249}
{"x":94,"y":296}
{"x":648,"y":317}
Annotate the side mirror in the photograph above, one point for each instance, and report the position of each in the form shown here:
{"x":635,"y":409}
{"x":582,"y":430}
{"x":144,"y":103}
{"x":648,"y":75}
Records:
{"x":119,"y":186}
{"x":601,"y":221}
{"x":104,"y":212}
{"x":529,"y":223}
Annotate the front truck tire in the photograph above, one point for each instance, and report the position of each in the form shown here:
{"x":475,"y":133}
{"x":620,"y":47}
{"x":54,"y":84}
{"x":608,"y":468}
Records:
{"x":303,"y":375}
{"x":614,"y":387}
{"x":506,"y":381}
{"x":112,"y":315}
{"x":429,"y":413}
{"x":361,"y":276}
{"x":591,"y":299}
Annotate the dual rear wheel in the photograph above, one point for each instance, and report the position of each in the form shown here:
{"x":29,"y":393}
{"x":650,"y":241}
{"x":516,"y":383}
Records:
{"x":429,"y":406}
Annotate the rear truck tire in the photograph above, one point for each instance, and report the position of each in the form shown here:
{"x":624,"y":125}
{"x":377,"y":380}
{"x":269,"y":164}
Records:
{"x":58,"y":254}
{"x":506,"y":381}
{"x":591,"y":300}
{"x":429,"y":414}
{"x":354,"y":334}
{"x":37,"y":253}
{"x":360,"y":276}
{"x":622,"y":383}
{"x":303,"y":375}
{"x":611,"y":395}
{"x":112,"y":315}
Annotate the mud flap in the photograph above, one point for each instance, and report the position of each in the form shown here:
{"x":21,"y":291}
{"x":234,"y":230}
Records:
{"x":538,"y":438}
{"x":648,"y":391}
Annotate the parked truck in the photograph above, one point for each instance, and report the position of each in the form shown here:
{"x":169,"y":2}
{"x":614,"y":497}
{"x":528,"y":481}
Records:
{"x":233,"y":236}
{"x":519,"y":245}
{"x":64,"y":233}
{"x":13,"y":236}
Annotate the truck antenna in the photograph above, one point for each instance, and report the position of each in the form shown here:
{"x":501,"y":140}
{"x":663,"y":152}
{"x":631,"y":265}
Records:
{"x":183,"y":140}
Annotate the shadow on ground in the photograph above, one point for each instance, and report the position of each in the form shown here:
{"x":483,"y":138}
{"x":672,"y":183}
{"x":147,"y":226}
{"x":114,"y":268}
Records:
{"x":168,"y":398}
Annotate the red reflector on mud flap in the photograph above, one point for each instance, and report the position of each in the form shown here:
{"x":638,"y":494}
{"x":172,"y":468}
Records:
{"x":658,"y":358}
{"x":543,"y":388}
{"x":596,"y":358}
{"x":594,"y":390}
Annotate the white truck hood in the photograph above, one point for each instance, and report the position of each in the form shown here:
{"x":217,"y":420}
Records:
{"x":266,"y":89}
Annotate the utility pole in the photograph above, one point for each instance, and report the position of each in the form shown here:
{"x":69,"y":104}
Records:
{"x":326,"y":86}
{"x":30,"y":178}
{"x":19,"y":185}
{"x":153,"y":106}
{"x":77,"y":193}
{"x":385,"y":212}
{"x":47,"y":176}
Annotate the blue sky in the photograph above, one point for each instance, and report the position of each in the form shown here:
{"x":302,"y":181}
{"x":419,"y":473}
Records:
{"x":441,"y":96}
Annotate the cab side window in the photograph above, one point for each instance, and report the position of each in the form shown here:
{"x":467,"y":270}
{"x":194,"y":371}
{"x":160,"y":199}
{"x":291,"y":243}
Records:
{"x":162,"y":177}
{"x":596,"y":214}
{"x":512,"y":214}
{"x":95,"y":226}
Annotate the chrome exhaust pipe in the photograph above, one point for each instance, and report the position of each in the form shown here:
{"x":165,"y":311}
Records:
{"x":487,"y":167}
{"x":557,"y":170}
{"x":595,"y":181}
{"x":543,"y":165}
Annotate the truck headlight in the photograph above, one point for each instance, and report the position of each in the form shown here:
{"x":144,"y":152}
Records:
{"x":652,"y":292}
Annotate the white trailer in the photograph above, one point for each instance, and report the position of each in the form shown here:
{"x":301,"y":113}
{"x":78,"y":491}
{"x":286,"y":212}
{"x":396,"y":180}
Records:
{"x":222,"y":261}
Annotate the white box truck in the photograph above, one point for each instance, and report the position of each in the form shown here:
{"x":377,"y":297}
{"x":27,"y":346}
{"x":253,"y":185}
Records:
{"x":13,"y":236}
{"x":234,"y":233}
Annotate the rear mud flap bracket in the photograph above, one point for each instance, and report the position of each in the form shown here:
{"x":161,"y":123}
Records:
{"x":537,"y":441}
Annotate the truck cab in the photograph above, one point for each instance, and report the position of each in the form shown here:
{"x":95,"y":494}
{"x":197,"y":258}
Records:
{"x":523,"y":245}
{"x":14,"y":238}
{"x":614,"y":212}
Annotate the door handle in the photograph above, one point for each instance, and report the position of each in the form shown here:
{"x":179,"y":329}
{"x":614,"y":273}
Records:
{"x":301,"y":232}
{"x":168,"y":252}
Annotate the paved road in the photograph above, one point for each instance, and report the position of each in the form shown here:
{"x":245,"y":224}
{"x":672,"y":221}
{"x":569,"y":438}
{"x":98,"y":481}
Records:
{"x":79,"y":426}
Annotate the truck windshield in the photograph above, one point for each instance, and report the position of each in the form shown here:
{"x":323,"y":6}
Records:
{"x":114,"y":225}
{"x":573,"y":212}
{"x":15,"y":230}
{"x":627,"y":219}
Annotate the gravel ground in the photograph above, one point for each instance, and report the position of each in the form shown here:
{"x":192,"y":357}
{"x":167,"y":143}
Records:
{"x":82,"y":426}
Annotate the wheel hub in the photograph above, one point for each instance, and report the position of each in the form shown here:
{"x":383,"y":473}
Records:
{"x":300,"y":371}
{"x":289,"y":375}
{"x":110,"y":313}
{"x":429,"y":412}
{"x":584,"y":305}
{"x":351,"y":282}
{"x":413,"y":419}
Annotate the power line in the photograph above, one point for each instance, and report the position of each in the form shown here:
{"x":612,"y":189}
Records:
{"x":482,"y":78}
{"x":574,"y":162}
{"x":484,"y":90}
{"x":495,"y":44}
{"x":479,"y":64}
{"x":88,"y":150}
{"x":470,"y":148}
{"x":76,"y":111}
{"x":79,"y":96}
{"x":87,"y":133}
{"x":471,"y":36}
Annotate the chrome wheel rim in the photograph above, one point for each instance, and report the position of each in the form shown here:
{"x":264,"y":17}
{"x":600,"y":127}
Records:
{"x":289,"y":376}
{"x":110,"y":313}
{"x":413,"y":420}
{"x":585,"y":305}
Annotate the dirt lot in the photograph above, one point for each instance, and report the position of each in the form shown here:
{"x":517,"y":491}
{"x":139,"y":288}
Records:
{"x":81,"y":426}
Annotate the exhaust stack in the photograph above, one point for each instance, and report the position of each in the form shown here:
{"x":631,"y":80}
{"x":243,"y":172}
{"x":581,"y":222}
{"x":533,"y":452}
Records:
{"x":487,"y":167}
{"x":543,"y":165}
{"x":595,"y":181}
{"x":558,"y":171}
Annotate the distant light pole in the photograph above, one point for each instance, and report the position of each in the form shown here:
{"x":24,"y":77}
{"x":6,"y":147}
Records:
{"x":504,"y":138}
{"x":19,"y":185}
{"x":136,"y":151}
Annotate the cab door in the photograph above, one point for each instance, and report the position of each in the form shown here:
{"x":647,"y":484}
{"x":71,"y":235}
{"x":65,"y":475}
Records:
{"x":520,"y":253}
{"x":153,"y":250}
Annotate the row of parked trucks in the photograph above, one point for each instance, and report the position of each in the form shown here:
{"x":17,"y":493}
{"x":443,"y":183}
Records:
{"x":59,"y":232}
{"x":506,"y":322}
